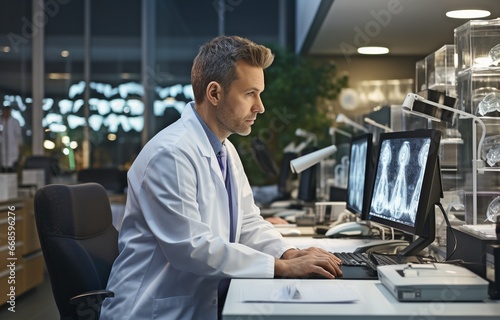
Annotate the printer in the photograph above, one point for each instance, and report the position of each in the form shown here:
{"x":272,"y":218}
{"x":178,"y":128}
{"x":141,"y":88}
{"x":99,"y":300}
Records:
{"x":432,"y":282}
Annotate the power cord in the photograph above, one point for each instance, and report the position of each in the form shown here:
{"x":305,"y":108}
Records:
{"x":445,"y":217}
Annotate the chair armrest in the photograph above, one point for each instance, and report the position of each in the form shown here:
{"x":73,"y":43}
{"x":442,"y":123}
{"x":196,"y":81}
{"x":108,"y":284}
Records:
{"x":96,"y":294}
{"x":89,"y":303}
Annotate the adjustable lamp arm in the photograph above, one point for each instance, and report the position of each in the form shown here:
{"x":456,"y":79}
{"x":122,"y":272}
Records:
{"x":310,"y":137}
{"x":378,"y":125}
{"x":332,"y":131}
{"x":341,"y":118}
{"x":412,"y":97}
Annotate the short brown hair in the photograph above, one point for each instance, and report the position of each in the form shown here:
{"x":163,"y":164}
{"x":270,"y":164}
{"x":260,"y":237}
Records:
{"x":216,"y":61}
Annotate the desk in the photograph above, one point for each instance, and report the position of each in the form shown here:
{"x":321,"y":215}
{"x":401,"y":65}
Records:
{"x":375,"y":302}
{"x":333,"y":245}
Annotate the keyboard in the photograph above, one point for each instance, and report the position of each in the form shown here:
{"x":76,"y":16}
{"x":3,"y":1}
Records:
{"x":382,"y":259}
{"x":353,"y":258}
{"x":369,"y":262}
{"x":388,"y":259}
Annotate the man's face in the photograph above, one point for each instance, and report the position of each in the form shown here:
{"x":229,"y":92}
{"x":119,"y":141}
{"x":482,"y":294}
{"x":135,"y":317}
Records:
{"x":241,"y":104}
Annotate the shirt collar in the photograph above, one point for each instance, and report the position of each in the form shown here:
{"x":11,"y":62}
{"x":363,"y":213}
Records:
{"x":214,"y":141}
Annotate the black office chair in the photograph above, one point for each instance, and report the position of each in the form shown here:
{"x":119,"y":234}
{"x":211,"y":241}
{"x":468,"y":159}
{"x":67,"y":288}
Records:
{"x":79,"y":244}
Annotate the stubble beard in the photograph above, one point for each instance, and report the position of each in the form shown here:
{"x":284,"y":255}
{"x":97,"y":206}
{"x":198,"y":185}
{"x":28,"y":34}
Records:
{"x":224,"y":118}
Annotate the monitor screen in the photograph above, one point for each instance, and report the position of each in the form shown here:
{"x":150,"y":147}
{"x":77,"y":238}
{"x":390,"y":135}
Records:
{"x":307,"y":180}
{"x":359,"y":178}
{"x":407,"y":184}
{"x":264,"y":158}
{"x":285,"y":175}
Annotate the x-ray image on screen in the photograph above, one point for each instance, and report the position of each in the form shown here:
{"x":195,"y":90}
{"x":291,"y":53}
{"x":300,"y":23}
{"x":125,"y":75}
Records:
{"x":399,"y":179}
{"x":360,"y":177}
{"x":357,"y":168}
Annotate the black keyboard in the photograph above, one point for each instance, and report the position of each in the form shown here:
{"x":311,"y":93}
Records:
{"x":382,"y":259}
{"x":353,"y":258}
{"x":372,"y":260}
{"x":388,"y":259}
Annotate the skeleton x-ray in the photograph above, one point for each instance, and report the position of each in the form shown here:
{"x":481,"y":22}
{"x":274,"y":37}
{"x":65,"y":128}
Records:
{"x":398,"y":180}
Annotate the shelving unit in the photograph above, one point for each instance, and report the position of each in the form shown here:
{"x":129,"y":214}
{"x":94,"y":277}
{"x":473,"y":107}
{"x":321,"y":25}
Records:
{"x":477,"y":76}
{"x":21,"y":269}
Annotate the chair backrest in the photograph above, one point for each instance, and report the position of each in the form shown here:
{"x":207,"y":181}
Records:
{"x":78,"y":240}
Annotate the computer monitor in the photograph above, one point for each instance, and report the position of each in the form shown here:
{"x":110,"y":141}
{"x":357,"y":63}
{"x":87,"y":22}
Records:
{"x":264,"y":158}
{"x":360,"y":176}
{"x":285,"y":175}
{"x":407,"y":185}
{"x":307,"y":181}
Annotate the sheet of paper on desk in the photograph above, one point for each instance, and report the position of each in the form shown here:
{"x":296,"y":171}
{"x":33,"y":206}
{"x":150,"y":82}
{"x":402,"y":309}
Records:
{"x":299,"y":292}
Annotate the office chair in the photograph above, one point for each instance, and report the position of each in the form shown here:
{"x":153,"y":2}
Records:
{"x":79,"y":244}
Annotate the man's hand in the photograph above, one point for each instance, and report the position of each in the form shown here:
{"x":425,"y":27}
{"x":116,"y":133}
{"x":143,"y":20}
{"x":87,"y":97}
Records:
{"x":304,"y":263}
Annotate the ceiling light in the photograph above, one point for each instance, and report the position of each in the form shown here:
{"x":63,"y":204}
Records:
{"x":59,"y":76}
{"x":373,"y":50}
{"x":65,"y":53}
{"x":467,"y":14}
{"x":5,"y":49}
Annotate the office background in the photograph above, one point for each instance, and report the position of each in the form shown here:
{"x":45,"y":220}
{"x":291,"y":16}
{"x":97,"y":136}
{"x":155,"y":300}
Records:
{"x":125,"y":65}
{"x":117,"y":45}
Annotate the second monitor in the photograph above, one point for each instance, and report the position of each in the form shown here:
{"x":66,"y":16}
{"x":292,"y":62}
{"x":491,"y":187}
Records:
{"x":407,"y":185}
{"x":359,"y":183}
{"x":359,"y":186}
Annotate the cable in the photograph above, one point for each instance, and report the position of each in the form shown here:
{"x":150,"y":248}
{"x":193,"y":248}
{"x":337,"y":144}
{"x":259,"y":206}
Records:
{"x":445,"y":216}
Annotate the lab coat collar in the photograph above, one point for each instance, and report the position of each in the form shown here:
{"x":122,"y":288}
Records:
{"x":191,"y":122}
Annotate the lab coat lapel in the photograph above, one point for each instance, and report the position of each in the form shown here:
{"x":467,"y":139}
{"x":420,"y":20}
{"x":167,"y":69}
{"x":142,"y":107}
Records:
{"x":193,"y":124}
{"x":204,"y":147}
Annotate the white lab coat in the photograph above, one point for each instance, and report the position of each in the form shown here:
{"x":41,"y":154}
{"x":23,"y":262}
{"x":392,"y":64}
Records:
{"x":174,"y":240}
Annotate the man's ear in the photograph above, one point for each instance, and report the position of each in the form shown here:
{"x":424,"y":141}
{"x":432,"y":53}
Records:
{"x":214,"y":93}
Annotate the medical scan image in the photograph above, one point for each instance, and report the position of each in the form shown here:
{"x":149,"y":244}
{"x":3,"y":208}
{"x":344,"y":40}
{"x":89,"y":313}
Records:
{"x":399,"y":179}
{"x":357,"y":168}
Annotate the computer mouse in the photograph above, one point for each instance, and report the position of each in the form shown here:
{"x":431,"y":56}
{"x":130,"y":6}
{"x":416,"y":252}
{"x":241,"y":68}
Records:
{"x":348,"y":229}
{"x":290,"y":232}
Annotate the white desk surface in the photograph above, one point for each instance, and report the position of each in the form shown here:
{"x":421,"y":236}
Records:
{"x":375,"y":302}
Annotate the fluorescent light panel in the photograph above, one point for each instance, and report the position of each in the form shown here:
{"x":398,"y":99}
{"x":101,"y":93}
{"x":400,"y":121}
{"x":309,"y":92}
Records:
{"x":468,"y":14}
{"x":373,"y":50}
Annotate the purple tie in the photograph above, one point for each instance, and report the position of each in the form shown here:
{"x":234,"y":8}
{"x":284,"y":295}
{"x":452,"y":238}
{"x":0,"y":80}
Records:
{"x":222,"y":158}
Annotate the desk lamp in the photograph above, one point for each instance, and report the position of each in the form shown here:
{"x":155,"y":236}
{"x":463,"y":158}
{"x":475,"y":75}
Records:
{"x":310,"y":137}
{"x":409,"y":106}
{"x":378,"y":125}
{"x":413,"y":99}
{"x":341,"y":118}
{"x":300,"y":164}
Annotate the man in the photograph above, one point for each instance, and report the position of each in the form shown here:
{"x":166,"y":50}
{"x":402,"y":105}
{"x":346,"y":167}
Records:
{"x":187,"y":227}
{"x":10,"y":141}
